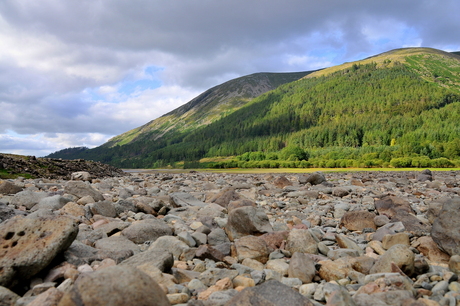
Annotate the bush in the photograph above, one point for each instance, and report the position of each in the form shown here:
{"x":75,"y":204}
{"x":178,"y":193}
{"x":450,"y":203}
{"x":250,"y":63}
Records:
{"x":401,"y":162}
{"x":441,"y":163}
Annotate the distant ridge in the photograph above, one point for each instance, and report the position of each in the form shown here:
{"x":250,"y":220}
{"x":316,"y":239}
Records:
{"x":401,"y":103}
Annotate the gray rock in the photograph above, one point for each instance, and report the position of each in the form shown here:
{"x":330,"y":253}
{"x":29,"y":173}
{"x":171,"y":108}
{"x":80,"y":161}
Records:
{"x":302,"y":267}
{"x":217,"y":236}
{"x":158,"y":257}
{"x":388,"y":229}
{"x":80,"y":176}
{"x":54,"y":203}
{"x":117,"y":244}
{"x":220,"y":298}
{"x":247,"y":220}
{"x":28,"y":198}
{"x":340,"y":192}
{"x":183,"y":199}
{"x":271,"y":293}
{"x":27,"y":245}
{"x":78,"y":254}
{"x":187,"y":238}
{"x":170,"y":243}
{"x":200,"y":238}
{"x":116,"y":286}
{"x":147,"y":230}
{"x":8,"y":212}
{"x":81,"y":189}
{"x":104,"y":208}
{"x":446,"y":236}
{"x":316,"y":178}
{"x":212,"y":275}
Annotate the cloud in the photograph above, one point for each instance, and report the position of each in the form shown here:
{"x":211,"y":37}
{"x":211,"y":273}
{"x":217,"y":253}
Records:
{"x":83,"y":68}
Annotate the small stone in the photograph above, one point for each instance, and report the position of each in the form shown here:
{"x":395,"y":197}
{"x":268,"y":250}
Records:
{"x":177,"y":298}
{"x":252,"y":247}
{"x":454,"y":264}
{"x":398,"y":254}
{"x":390,"y":240}
{"x":243,"y":281}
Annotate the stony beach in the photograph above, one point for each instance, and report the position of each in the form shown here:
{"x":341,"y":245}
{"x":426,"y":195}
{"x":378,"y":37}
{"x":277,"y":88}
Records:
{"x":357,"y":238}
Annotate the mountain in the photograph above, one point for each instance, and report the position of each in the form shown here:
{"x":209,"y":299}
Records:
{"x":208,"y":107}
{"x":404,"y":103}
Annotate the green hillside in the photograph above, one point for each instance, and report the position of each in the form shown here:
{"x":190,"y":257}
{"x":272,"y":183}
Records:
{"x":398,"y":108}
{"x":208,"y":107}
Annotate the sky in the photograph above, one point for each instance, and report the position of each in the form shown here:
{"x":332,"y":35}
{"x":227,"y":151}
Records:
{"x":76,"y":73}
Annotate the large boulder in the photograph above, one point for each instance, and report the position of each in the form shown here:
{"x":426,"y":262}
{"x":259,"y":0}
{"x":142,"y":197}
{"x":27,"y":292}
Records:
{"x":81,"y":189}
{"x":54,"y":203}
{"x":147,"y":230}
{"x":316,"y":178}
{"x":9,"y":188}
{"x":28,"y":198}
{"x":115,"y":286}
{"x":247,"y":220}
{"x":443,"y":232}
{"x":27,"y":245}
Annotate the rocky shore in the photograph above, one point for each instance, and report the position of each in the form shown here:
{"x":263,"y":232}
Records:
{"x":53,"y":168}
{"x":364,"y":238}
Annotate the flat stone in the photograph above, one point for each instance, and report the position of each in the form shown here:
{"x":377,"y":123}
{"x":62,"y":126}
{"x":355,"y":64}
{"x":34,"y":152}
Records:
{"x":160,"y":258}
{"x":358,"y":220}
{"x":272,"y":293}
{"x":117,"y":243}
{"x":183,"y":199}
{"x":115,"y":286}
{"x":27,"y":245}
{"x":390,"y":240}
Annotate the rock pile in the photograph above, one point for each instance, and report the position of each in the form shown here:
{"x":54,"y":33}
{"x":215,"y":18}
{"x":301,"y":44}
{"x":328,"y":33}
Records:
{"x":375,"y":238}
{"x":55,"y":168}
